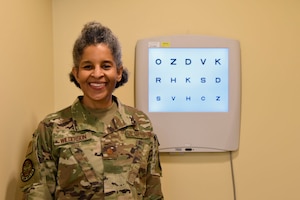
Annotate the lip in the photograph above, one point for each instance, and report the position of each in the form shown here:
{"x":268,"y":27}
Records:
{"x":97,"y":85}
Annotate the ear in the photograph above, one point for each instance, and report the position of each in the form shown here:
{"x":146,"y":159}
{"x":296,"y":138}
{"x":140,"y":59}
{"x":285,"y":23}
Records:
{"x":75,"y":72}
{"x":119,"y":73}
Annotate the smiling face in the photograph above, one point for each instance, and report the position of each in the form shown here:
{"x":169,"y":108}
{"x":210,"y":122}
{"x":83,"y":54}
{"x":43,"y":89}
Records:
{"x":97,"y":76}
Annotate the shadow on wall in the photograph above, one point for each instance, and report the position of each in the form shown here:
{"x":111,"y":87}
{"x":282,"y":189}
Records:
{"x":12,"y":190}
{"x":198,"y":157}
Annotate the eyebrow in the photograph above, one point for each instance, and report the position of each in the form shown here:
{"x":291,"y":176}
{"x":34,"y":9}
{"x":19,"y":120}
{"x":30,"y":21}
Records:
{"x":86,"y":62}
{"x":89,"y":62}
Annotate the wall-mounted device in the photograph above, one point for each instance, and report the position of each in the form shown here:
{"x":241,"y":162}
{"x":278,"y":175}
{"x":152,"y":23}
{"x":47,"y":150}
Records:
{"x":189,"y":86}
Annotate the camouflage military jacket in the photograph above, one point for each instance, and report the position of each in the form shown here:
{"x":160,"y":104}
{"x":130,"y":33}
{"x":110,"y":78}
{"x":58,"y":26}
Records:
{"x":75,"y":156}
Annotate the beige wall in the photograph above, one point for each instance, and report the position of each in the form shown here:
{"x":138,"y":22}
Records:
{"x":26,"y":82}
{"x":267,"y":163}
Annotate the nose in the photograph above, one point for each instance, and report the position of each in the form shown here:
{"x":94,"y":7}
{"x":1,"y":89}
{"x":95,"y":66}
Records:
{"x":97,"y":72}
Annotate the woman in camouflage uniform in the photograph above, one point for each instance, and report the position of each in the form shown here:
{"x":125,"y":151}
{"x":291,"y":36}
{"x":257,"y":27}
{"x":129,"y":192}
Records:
{"x":97,"y":148}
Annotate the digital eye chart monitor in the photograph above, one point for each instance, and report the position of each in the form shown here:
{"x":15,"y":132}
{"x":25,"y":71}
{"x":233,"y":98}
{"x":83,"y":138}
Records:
{"x":189,"y":86}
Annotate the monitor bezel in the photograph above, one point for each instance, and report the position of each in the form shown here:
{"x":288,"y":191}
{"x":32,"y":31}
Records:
{"x":208,"y":131}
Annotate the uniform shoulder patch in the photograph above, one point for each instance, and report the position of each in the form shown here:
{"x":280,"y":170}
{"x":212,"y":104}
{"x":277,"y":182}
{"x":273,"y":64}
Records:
{"x":27,"y":170}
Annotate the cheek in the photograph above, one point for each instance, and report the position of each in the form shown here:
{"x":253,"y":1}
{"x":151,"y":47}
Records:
{"x":81,"y":76}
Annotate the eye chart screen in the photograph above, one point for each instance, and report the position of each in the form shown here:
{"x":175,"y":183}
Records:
{"x":188,"y":80}
{"x":190,"y":88}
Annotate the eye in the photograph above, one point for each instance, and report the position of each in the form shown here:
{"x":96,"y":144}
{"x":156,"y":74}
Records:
{"x":106,"y":66}
{"x":87,"y":67}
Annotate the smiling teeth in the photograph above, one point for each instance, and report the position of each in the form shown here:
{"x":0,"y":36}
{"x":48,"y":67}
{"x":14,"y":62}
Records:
{"x":97,"y":84}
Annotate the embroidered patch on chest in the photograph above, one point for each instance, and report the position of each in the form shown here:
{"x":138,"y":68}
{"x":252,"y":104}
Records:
{"x":73,"y":138}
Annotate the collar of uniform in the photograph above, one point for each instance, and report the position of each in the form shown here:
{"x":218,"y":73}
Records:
{"x":86,"y":121}
{"x":121,"y":119}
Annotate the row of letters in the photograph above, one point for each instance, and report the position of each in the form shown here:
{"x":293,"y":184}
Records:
{"x":188,"y":98}
{"x":187,"y":61}
{"x":185,"y":80}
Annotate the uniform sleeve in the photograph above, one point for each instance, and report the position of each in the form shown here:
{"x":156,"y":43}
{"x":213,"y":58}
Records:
{"x":37,"y":178}
{"x":153,"y":187}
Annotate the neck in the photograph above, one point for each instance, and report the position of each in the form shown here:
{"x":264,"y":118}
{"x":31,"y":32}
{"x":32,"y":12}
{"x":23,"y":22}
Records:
{"x":101,"y":104}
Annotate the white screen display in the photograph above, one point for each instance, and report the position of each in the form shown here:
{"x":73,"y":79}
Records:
{"x":189,"y":86}
{"x":188,"y":80}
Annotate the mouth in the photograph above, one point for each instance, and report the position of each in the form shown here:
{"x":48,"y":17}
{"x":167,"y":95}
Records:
{"x":97,"y":85}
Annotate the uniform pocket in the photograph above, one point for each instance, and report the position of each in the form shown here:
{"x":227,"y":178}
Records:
{"x":138,"y":169}
{"x":75,"y":169}
{"x":85,"y":166}
{"x":69,"y":171}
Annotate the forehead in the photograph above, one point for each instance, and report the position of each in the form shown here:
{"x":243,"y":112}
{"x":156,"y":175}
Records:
{"x":97,"y":48}
{"x":97,"y":51}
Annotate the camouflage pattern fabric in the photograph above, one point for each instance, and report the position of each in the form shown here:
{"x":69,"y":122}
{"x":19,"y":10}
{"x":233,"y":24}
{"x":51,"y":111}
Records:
{"x":75,"y":156}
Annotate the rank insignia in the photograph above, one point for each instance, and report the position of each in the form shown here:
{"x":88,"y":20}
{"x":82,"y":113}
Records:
{"x":27,"y":170}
